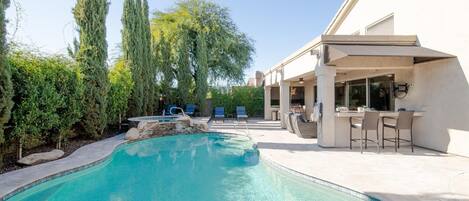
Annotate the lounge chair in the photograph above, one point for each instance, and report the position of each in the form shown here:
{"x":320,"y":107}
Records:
{"x":219,"y":114}
{"x":190,"y":109}
{"x":241,"y":113}
{"x":303,"y":128}
{"x":288,"y":122}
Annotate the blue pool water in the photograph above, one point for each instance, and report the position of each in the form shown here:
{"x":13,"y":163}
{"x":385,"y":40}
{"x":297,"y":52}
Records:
{"x":162,"y":119}
{"x":206,"y":167}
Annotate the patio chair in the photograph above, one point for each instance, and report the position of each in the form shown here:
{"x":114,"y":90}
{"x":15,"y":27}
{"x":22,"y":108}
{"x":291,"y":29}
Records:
{"x":241,"y":113}
{"x":404,"y":121}
{"x":288,"y":121}
{"x":368,"y":122}
{"x":219,"y":114}
{"x":303,"y":128}
{"x":190,"y":109}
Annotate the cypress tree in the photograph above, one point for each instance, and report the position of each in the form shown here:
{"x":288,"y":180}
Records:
{"x":162,"y":51}
{"x":129,"y":42}
{"x":90,"y":16}
{"x":147,"y":61}
{"x":183,"y":71}
{"x":136,"y":45}
{"x":201,"y":71}
{"x":6,"y":86}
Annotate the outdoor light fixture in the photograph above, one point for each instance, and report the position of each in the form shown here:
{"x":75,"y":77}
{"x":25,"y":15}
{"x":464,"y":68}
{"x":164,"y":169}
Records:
{"x":301,"y":81}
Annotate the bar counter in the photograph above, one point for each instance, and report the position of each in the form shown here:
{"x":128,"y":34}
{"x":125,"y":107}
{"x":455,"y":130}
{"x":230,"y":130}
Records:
{"x":342,"y":127}
{"x":381,"y":113}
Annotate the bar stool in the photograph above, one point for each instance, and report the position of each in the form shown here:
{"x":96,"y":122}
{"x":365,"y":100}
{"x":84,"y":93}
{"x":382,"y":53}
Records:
{"x":368,"y":122}
{"x":404,"y":121}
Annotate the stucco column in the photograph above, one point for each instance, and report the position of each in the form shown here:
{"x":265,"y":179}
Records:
{"x":284,"y":101}
{"x":309,"y":98}
{"x":326,"y":96}
{"x":267,"y":96}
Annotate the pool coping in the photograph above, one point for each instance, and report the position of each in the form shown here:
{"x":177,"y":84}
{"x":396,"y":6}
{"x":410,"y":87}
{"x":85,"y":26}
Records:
{"x":17,"y":181}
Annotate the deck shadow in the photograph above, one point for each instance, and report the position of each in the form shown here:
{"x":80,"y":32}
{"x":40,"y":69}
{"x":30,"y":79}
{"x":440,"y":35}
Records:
{"x":315,"y":147}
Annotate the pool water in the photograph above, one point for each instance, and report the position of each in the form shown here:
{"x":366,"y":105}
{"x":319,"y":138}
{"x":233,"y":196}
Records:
{"x":202,"y":167}
{"x":161,"y":119}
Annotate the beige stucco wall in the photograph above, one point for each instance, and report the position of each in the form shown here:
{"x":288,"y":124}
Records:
{"x":440,"y":88}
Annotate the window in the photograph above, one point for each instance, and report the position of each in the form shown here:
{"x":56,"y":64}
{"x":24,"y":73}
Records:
{"x":374,"y":92}
{"x":275,"y":96}
{"x":357,"y":94}
{"x":382,"y":27}
{"x":339,"y":94}
{"x":297,"y":95}
{"x":380,"y":89}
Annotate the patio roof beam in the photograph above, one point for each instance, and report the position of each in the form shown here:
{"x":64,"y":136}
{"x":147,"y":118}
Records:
{"x":372,"y":67}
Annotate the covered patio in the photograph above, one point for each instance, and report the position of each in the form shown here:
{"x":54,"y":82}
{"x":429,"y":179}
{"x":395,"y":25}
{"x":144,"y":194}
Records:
{"x":344,"y":73}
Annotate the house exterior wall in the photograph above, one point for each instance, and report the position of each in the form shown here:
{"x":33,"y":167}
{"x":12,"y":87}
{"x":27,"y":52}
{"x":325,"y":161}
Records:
{"x":302,"y":65}
{"x":440,"y":88}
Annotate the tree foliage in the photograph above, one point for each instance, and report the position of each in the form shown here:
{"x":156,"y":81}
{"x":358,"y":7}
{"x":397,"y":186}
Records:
{"x":206,"y":29}
{"x":90,"y":15}
{"x":6,"y":87}
{"x":136,"y":45}
{"x":121,"y":85}
{"x":201,"y":72}
{"x":161,"y":49}
{"x":48,"y":98}
{"x":183,"y":67}
{"x":72,"y":49}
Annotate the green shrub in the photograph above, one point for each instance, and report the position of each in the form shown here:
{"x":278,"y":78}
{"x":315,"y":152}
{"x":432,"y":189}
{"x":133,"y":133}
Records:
{"x":6,"y":86}
{"x":48,"y":98}
{"x":121,"y":84}
{"x":250,"y":97}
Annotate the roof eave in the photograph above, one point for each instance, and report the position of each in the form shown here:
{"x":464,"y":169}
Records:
{"x":340,"y":16}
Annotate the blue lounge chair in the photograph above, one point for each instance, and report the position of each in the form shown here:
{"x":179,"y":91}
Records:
{"x":190,"y":109}
{"x":241,"y":113}
{"x":220,"y":113}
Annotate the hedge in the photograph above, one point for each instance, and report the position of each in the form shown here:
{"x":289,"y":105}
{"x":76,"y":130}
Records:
{"x":48,"y":98}
{"x":250,"y":97}
{"x":121,"y":84}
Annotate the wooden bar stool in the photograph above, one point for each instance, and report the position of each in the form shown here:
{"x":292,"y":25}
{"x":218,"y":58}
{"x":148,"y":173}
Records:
{"x":404,"y":121}
{"x":368,"y":122}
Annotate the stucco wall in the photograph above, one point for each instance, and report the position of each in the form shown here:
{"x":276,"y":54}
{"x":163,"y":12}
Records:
{"x":302,"y":65}
{"x":440,"y":88}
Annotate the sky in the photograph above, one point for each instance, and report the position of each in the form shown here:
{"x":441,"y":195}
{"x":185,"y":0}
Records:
{"x":277,"y":27}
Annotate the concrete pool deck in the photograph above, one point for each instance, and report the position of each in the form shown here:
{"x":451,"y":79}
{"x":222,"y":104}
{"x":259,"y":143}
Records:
{"x":422,"y":175}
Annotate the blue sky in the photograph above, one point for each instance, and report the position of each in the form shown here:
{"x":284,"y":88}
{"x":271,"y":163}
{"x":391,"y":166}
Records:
{"x":278,"y":27}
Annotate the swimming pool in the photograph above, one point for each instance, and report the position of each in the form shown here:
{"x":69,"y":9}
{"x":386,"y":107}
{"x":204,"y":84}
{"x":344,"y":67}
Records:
{"x":204,"y":167}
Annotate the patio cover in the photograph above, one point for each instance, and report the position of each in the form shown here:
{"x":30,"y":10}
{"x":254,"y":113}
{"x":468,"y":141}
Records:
{"x":335,"y":53}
